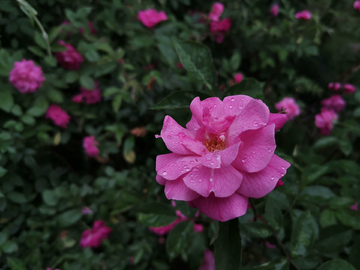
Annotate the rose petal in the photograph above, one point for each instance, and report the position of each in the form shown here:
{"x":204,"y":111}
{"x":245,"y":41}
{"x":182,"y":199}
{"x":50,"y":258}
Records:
{"x":278,"y":119}
{"x":177,"y":190}
{"x":171,"y":166}
{"x":234,"y":105}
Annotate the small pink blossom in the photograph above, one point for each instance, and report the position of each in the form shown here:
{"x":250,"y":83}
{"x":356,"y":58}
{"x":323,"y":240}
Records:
{"x":334,"y":102}
{"x":289,"y":105}
{"x":238,"y":77}
{"x":91,"y":27}
{"x":198,"y":228}
{"x":349,"y":88}
{"x":86,"y":211}
{"x":93,"y":237}
{"x":151,"y":17}
{"x":149,"y":67}
{"x":179,"y":65}
{"x":279,"y":183}
{"x":219,"y":29}
{"x":334,"y":86}
{"x":58,"y":115}
{"x":216,"y":11}
{"x":357,"y":5}
{"x":91,"y":146}
{"x":208,"y":262}
{"x":303,"y":15}
{"x":226,"y":155}
{"x":26,"y":76}
{"x":90,"y":96}
{"x":325,"y":121}
{"x":354,"y":207}
{"x":274,"y":10}
{"x":269,"y":245}
{"x":69,"y":59}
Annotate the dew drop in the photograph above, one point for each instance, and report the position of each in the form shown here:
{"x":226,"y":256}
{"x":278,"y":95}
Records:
{"x":243,"y":161}
{"x":231,"y":107}
{"x":283,"y":168}
{"x":208,"y":158}
{"x":269,"y":150}
{"x":215,"y":106}
{"x":164,"y":173}
{"x":272,"y":178}
{"x":200,"y":180}
{"x":232,"y":99}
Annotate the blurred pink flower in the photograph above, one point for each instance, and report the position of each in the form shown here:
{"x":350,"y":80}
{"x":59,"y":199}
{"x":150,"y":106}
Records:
{"x":93,"y":237}
{"x":166,"y":229}
{"x":349,"y":88}
{"x":91,"y":27}
{"x":69,"y":59}
{"x":26,"y":76}
{"x":289,"y":105}
{"x":334,"y":86}
{"x":90,"y":146}
{"x":223,"y":157}
{"x":58,"y":115}
{"x":269,"y":245}
{"x":357,"y":5}
{"x":325,"y":121}
{"x":151,"y":17}
{"x":279,"y":183}
{"x":86,"y":211}
{"x":50,"y":268}
{"x":334,"y":102}
{"x":238,"y":77}
{"x":274,"y":10}
{"x":179,"y":65}
{"x":90,"y":96}
{"x":219,"y":29}
{"x":303,"y":15}
{"x":354,"y":207}
{"x":216,"y":11}
{"x":208,"y":262}
{"x":121,"y":61}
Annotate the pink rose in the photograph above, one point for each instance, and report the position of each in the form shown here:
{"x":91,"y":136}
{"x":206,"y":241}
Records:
{"x":69,"y":59}
{"x":354,"y":207}
{"x":303,"y":15}
{"x":238,"y":77}
{"x":26,"y":76}
{"x":90,"y":146}
{"x":334,"y":86}
{"x":208,"y":262}
{"x":58,"y":115}
{"x":357,"y":5}
{"x":325,"y":121}
{"x":90,"y":96}
{"x":93,"y":237}
{"x":219,"y":29}
{"x":289,"y":105}
{"x":223,"y":157}
{"x":151,"y":17}
{"x":349,"y":88}
{"x":216,"y":11}
{"x":274,"y":10}
{"x":334,"y":102}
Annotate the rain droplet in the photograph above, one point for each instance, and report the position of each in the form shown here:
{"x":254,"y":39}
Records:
{"x":208,"y":158}
{"x":269,"y":150}
{"x":200,"y":180}
{"x":256,"y":124}
{"x":215,"y":106}
{"x":243,"y":161}
{"x":272,"y":178}
{"x":232,"y":99}
{"x":164,"y":173}
{"x":231,"y":107}
{"x":169,"y":137}
{"x":283,"y":168}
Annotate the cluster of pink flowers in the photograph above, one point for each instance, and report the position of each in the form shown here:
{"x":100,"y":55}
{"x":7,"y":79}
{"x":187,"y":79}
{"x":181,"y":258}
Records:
{"x":303,"y":15}
{"x":223,"y":157}
{"x":289,"y":106}
{"x":58,"y":115}
{"x":166,"y":229}
{"x":93,"y":237}
{"x":357,"y":5}
{"x":90,"y":96}
{"x":91,"y":146}
{"x":26,"y":76}
{"x":348,"y":88}
{"x":69,"y":59}
{"x":151,"y":17}
{"x":218,"y":27}
{"x":334,"y":102}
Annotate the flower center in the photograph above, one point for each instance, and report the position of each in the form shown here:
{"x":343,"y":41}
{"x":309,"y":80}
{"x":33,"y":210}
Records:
{"x":216,"y":143}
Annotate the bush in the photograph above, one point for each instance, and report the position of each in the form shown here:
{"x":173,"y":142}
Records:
{"x":77,"y":138}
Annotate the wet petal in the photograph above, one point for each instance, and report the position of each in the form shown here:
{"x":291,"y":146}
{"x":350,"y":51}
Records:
{"x":171,"y":166}
{"x":177,"y":190}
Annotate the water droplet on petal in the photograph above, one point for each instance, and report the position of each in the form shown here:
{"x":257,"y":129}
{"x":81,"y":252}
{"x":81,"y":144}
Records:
{"x":231,"y":107}
{"x":232,"y":99}
{"x":164,"y":173}
{"x":169,"y":137}
{"x":283,"y":168}
{"x":243,"y":161}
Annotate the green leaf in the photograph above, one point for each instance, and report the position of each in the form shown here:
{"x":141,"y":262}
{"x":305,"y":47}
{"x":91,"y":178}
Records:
{"x":69,"y":218}
{"x":87,"y":82}
{"x":55,"y":95}
{"x":9,"y":247}
{"x":28,"y":119}
{"x":317,"y":193}
{"x":346,"y":146}
{"x":248,"y":86}
{"x":129,"y":144}
{"x":185,"y":209}
{"x":3,"y":171}
{"x":156,"y":214}
{"x":40,"y":40}
{"x":176,"y":100}
{"x":16,"y":264}
{"x":196,"y":59}
{"x":6,"y":100}
{"x":16,"y":197}
{"x":255,"y":229}
{"x":273,"y":215}
{"x":355,"y":253}
{"x":16,"y":110}
{"x":349,"y":218}
{"x":116,"y":103}
{"x":336,"y":265}
{"x":333,"y":239}
{"x":228,"y":246}
{"x":50,"y":197}
{"x":179,"y":238}
{"x":39,"y":107}
{"x":327,"y":218}
{"x":50,"y":60}
{"x":303,"y":234}
{"x":3,"y":237}
{"x":325,"y":142}
{"x":235,"y":61}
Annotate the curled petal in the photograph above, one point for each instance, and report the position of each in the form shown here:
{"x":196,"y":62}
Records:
{"x":278,"y":119}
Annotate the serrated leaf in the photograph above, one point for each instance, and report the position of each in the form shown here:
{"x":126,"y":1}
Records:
{"x":248,"y":86}
{"x":197,"y":60}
